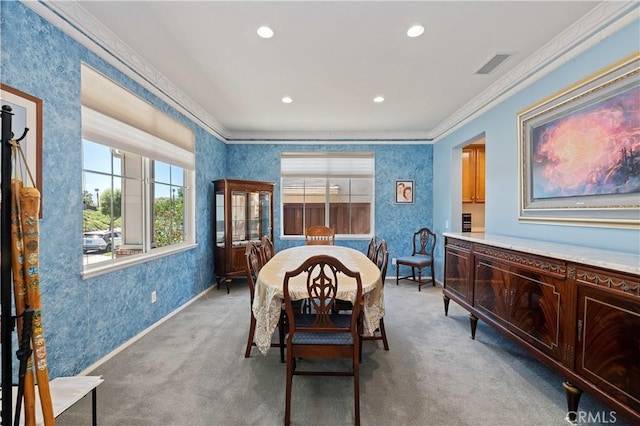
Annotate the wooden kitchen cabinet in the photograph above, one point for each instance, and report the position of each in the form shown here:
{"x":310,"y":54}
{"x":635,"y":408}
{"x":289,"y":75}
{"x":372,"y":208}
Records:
{"x":473,"y":169}
{"x":243,"y":212}
{"x":577,"y":311}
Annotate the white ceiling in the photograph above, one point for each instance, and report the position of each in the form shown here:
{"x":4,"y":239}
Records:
{"x":331,"y":57}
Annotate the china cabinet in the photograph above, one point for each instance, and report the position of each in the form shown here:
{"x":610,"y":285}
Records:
{"x":243,"y":212}
{"x":575,"y":309}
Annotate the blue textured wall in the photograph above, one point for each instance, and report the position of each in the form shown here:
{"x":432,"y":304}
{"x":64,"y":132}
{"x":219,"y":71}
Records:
{"x":86,"y":319}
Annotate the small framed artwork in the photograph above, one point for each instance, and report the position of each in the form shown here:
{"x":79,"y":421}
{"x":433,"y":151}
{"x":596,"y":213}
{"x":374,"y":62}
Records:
{"x":27,"y":113}
{"x":404,"y":192}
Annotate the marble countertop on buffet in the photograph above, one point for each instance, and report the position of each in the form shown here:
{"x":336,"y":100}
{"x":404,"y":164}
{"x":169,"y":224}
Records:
{"x":609,"y":259}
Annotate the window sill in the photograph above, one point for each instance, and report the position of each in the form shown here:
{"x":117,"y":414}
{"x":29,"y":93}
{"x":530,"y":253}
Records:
{"x":339,"y":237}
{"x":91,"y":271}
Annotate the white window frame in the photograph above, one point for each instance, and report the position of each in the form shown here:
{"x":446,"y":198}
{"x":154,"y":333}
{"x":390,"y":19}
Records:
{"x":327,"y":165}
{"x":116,"y":118}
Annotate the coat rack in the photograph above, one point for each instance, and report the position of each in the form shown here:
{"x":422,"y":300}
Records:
{"x":6,"y":318}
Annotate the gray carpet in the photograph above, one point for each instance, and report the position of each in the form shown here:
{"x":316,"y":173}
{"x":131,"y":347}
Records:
{"x":191,"y":371}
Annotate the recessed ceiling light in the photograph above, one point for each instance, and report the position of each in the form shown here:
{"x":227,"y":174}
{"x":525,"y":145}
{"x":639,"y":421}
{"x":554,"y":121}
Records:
{"x":287,"y":99}
{"x":265,"y":32}
{"x":378,"y":99}
{"x":415,"y":31}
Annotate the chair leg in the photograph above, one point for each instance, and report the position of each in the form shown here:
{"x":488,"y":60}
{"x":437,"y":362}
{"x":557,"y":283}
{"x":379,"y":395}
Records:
{"x":356,"y":389}
{"x":397,"y":273}
{"x":289,"y":385}
{"x":384,"y":335}
{"x":252,"y":329}
{"x":433,"y":276}
{"x":419,"y":279}
{"x":281,"y":332}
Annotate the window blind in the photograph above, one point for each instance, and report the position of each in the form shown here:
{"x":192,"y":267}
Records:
{"x":329,"y":164}
{"x":113,"y":116}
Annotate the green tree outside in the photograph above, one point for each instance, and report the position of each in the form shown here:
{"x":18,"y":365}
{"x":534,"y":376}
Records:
{"x":169,"y":219}
{"x":105,"y":202}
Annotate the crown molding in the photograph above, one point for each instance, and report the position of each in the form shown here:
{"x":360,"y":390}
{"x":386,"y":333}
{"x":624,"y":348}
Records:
{"x":75,"y":21}
{"x":601,"y":22}
{"x":387,"y":137}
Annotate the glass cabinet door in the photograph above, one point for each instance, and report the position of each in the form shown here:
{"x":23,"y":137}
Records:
{"x":238,"y":218}
{"x":265,"y":214}
{"x":254,"y":216}
{"x":220,"y":233}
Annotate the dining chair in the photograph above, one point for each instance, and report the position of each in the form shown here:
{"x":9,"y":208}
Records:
{"x":424,"y":243}
{"x":253,"y":264}
{"x":319,"y":235}
{"x":322,"y":334}
{"x":381,"y":259}
{"x":371,"y":249}
{"x":343,"y":305}
{"x":267,"y":248}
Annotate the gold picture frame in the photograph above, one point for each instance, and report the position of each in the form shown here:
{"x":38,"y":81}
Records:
{"x":579,"y":162}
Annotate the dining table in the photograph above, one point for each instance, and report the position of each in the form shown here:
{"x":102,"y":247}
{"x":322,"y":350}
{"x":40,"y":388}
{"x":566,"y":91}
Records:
{"x":269,"y":295}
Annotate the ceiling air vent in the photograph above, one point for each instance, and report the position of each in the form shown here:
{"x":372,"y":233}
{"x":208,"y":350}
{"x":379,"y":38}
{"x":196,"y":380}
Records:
{"x":493,"y":63}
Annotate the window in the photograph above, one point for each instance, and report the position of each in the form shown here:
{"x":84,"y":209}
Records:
{"x":331,"y":189}
{"x":138,"y":176}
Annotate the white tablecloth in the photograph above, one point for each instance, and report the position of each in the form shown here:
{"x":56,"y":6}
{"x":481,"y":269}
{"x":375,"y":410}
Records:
{"x":268,"y":299}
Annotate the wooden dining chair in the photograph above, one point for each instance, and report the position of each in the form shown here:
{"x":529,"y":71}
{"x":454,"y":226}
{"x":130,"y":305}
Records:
{"x":381,"y":259}
{"x":322,"y":334}
{"x":343,"y":305}
{"x":424,"y":243}
{"x":371,"y":249}
{"x":253,"y":264}
{"x":266,"y":245}
{"x":319,"y":235}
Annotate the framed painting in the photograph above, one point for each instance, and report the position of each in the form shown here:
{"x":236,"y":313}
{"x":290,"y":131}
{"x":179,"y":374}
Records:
{"x":27,"y":114}
{"x":579,"y":152}
{"x":404,"y":192}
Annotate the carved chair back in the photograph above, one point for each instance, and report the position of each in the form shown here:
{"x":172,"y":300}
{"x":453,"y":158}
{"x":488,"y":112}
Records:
{"x":319,"y":235}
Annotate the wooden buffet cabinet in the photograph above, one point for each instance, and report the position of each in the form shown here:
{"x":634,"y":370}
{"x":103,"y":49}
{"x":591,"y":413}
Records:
{"x":243,"y":212}
{"x":575,"y":309}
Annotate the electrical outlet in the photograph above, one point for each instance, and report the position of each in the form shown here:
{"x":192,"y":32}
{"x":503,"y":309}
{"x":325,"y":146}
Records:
{"x":153,"y":296}
{"x":393,"y":261}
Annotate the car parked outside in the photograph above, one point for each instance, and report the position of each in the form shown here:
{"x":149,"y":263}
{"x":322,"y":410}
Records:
{"x":101,"y":241}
